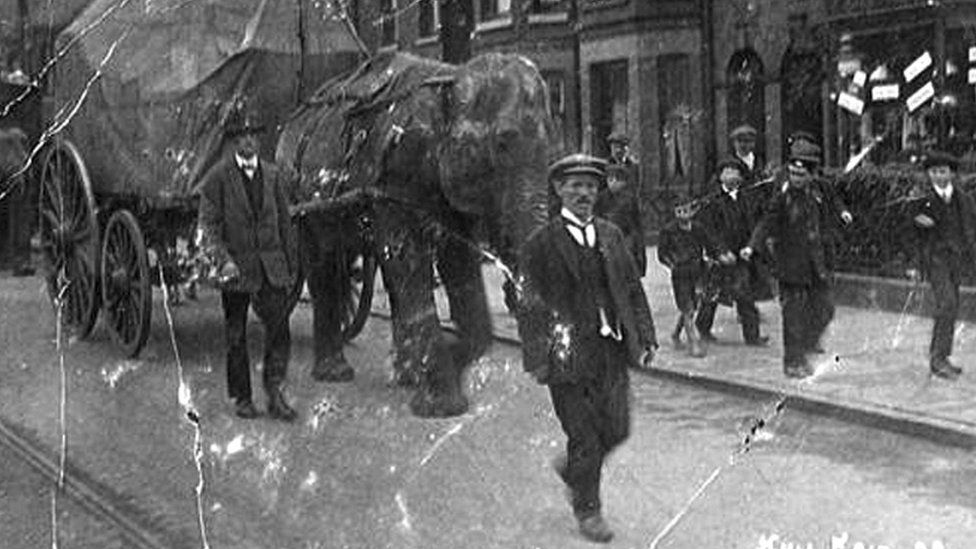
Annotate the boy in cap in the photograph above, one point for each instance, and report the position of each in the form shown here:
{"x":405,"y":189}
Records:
{"x":619,"y":201}
{"x":728,"y":219}
{"x":682,"y":250}
{"x":796,"y":216}
{"x":743,"y":139}
{"x":945,"y":233}
{"x":584,"y":319}
{"x":245,"y":227}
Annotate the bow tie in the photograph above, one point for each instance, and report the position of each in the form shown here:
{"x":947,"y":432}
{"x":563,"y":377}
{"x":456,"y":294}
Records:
{"x":584,"y":235}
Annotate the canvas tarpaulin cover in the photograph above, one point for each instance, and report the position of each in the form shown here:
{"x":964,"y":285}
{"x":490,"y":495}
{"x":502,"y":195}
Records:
{"x":171,"y":73}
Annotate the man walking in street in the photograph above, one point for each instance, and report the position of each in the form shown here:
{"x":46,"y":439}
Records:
{"x":743,"y":139}
{"x":796,"y":216}
{"x":619,"y":202}
{"x":946,"y":235}
{"x":728,"y":219}
{"x":245,"y":227}
{"x":583,"y":320}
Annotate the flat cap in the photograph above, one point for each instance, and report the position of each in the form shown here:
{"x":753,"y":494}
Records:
{"x":618,"y":137}
{"x":940,"y":158}
{"x":802,"y":135}
{"x":733,"y":163}
{"x":686,"y":210}
{"x":743,"y":131}
{"x":578,"y":163}
{"x":805,"y":151}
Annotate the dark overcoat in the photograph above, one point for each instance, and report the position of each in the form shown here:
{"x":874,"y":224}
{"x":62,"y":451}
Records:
{"x":623,"y":209}
{"x":261,"y":243}
{"x":934,"y":244}
{"x":550,"y":305}
{"x":796,"y":219}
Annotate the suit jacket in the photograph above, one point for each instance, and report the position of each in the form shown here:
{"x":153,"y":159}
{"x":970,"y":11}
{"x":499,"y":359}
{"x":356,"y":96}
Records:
{"x":548,"y":309}
{"x":796,"y":219}
{"x":262,"y":244}
{"x":935,"y":244}
{"x":682,"y":251}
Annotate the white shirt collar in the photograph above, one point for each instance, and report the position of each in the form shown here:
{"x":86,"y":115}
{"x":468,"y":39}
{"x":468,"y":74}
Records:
{"x":249,"y":165}
{"x":584,"y":237}
{"x":945,"y":193}
{"x":749,"y":159}
{"x":734,"y":193}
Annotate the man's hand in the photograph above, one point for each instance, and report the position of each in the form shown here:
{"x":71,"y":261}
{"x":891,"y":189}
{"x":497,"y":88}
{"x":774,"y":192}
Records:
{"x":229,"y":272}
{"x":924,"y":221}
{"x":913,"y":275}
{"x":728,"y":258}
{"x":647,"y":358}
{"x":746,"y":253}
{"x":847,"y":217}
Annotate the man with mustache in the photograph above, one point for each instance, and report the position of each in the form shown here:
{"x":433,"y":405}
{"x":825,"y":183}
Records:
{"x":583,"y":320}
{"x":245,"y":227}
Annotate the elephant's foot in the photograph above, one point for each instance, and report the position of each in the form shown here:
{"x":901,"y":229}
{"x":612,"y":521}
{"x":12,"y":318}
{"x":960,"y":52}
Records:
{"x":404,"y":375}
{"x":333,"y":369}
{"x":430,"y":402}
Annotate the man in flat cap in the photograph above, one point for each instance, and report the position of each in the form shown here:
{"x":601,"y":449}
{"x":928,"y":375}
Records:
{"x":583,"y":320}
{"x":945,"y":234}
{"x":245,"y":227}
{"x":728,"y":218}
{"x":619,"y":201}
{"x":796,"y":215}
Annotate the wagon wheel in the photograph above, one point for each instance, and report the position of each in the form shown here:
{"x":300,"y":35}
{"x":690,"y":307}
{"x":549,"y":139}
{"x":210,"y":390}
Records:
{"x":361,"y":271}
{"x":69,"y":237}
{"x":126,"y":292}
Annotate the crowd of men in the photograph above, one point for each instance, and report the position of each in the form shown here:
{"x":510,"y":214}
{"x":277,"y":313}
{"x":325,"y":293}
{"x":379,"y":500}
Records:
{"x":582,"y":277}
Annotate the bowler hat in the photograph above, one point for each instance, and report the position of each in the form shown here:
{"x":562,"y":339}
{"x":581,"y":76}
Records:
{"x":578,"y":163}
{"x":745,"y":131}
{"x":805,"y":151}
{"x":940,"y":158}
{"x":242,"y":121}
{"x":618,"y":137}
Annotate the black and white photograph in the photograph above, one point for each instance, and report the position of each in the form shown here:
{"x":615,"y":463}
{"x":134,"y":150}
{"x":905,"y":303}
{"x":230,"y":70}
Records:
{"x":487,"y":274}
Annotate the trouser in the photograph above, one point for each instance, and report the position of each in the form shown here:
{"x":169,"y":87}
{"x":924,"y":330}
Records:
{"x":595,"y":415}
{"x":807,"y":311}
{"x":745,"y":308}
{"x":945,"y":289}
{"x":273,"y":307}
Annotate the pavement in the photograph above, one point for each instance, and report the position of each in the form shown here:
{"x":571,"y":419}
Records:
{"x":875,"y":369}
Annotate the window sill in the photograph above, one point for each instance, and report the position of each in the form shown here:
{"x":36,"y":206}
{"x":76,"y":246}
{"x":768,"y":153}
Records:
{"x":548,"y":18}
{"x":500,"y":22}
{"x":426,"y":41}
{"x":596,"y":5}
{"x":388,"y":48}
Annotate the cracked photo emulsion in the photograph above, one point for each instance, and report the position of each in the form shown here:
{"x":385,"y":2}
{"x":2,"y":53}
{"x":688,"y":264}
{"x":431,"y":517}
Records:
{"x":487,"y":274}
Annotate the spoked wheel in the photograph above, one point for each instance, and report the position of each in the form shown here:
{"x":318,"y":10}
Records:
{"x":69,"y":237}
{"x":361,"y":271}
{"x":126,"y":290}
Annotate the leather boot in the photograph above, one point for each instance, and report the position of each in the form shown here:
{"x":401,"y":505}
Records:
{"x":676,"y":334}
{"x":697,"y":347}
{"x":595,"y":529}
{"x":278,"y":407}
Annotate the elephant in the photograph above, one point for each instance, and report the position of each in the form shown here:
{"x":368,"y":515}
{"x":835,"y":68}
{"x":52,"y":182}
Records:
{"x":18,"y":209}
{"x":448,"y":160}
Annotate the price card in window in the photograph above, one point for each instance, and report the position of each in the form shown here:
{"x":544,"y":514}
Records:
{"x":972,"y":76}
{"x":851,"y":102}
{"x":923,"y":62}
{"x":972,"y":54}
{"x":884,"y":92}
{"x":919,"y":98}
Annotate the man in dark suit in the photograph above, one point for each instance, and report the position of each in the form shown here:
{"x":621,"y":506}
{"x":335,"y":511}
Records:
{"x":245,"y":227}
{"x":728,"y":219}
{"x":946,"y":235}
{"x":619,"y":201}
{"x":796,"y":216}
{"x":743,"y":139}
{"x":583,"y":319}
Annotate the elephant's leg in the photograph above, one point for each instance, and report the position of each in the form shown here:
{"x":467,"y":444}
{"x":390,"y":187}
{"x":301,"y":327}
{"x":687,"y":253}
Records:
{"x":328,"y":288}
{"x":460,"y":269}
{"x":420,"y":345}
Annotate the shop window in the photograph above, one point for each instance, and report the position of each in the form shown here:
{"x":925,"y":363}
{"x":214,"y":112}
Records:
{"x":546,"y":6}
{"x":800,"y":94}
{"x":747,"y":95}
{"x":491,"y":9}
{"x":608,"y":103}
{"x":388,"y":29}
{"x":674,"y":95}
{"x":430,"y":18}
